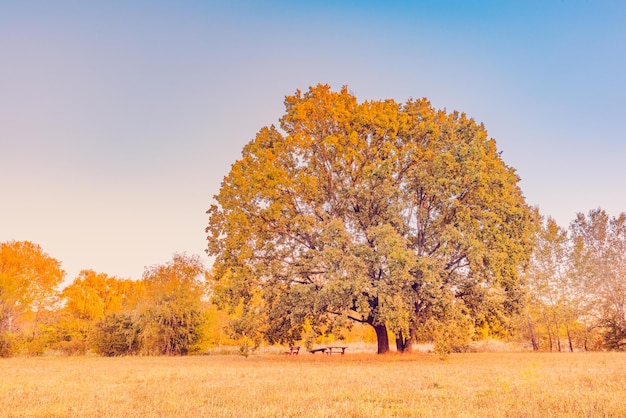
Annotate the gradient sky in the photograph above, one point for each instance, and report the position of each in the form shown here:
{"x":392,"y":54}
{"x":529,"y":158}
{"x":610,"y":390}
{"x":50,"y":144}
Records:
{"x":119,"y":119}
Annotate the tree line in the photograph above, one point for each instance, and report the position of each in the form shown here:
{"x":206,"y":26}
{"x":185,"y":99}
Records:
{"x":576,"y":284}
{"x":574,"y":298}
{"x":397,"y":216}
{"x":167,"y":312}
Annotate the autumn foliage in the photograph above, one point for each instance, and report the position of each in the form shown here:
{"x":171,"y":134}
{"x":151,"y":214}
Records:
{"x":28,"y":281}
{"x":163,"y":313}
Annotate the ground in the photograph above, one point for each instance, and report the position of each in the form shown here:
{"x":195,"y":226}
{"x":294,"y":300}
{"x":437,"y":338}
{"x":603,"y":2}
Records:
{"x":357,"y":385}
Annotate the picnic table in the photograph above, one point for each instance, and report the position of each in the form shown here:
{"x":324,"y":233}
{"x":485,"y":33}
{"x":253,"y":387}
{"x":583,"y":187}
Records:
{"x":329,"y":350}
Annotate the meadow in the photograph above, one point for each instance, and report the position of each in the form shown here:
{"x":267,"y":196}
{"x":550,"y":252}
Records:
{"x":307,"y":385}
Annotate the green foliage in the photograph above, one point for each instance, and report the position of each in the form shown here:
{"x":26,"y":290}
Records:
{"x":615,"y":334}
{"x":169,"y":330}
{"x":115,"y":335}
{"x":368,"y":212}
{"x":448,"y":323}
{"x":170,"y":316}
{"x":452,"y":336}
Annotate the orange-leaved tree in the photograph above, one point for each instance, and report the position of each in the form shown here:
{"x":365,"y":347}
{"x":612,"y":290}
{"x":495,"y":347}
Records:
{"x":28,"y":288}
{"x":390,"y":214}
{"x":89,"y":300}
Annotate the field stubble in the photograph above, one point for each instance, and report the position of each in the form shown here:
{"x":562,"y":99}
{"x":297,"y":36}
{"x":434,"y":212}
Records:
{"x":353,"y":385}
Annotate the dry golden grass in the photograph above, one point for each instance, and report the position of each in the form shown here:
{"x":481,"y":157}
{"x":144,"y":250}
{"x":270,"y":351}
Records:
{"x":353,"y":385}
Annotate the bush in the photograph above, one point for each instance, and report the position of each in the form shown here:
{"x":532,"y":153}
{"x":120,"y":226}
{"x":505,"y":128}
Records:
{"x":615,"y":335}
{"x":115,"y":335}
{"x":8,"y":344}
{"x":71,"y":347}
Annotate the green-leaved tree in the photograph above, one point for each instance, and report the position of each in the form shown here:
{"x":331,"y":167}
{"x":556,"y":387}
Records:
{"x":171,"y":313}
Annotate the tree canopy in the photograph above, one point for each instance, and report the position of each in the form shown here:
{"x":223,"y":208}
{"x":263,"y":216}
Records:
{"x":384,"y":213}
{"x":28,"y":281}
{"x":91,"y":298}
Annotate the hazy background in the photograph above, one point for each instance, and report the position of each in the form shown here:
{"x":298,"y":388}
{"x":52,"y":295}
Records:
{"x":119,"y":119}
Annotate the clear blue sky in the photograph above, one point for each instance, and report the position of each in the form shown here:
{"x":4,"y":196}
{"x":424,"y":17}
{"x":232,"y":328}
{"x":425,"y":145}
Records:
{"x":119,"y":119}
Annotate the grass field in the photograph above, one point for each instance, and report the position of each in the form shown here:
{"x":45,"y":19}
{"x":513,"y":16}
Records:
{"x":353,"y":385}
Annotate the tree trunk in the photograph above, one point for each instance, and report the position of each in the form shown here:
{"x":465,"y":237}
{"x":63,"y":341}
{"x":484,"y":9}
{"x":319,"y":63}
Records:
{"x":549,"y":329}
{"x":569,"y":339}
{"x":412,"y":340}
{"x":382,"y":338}
{"x":558,"y":332}
{"x":405,"y":344}
{"x":400,"y":342}
{"x":531,"y":331}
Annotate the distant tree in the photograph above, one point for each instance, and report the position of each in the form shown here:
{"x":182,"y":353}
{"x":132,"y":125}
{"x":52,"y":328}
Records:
{"x":171,"y":313}
{"x":116,"y":335}
{"x":88,"y":300}
{"x":378,"y":212}
{"x":599,"y":258}
{"x":28,"y":288}
{"x":553,"y":292}
{"x":94,"y":295}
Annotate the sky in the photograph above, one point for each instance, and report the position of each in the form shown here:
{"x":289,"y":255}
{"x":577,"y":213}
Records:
{"x":120,"y":119}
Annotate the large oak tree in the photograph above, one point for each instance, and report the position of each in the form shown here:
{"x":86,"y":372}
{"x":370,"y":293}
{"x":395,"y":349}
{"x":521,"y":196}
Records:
{"x":385,"y":213}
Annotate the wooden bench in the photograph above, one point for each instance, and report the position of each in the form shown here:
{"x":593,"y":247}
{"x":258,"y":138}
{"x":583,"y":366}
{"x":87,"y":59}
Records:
{"x":323,"y":350}
{"x":293,"y":350}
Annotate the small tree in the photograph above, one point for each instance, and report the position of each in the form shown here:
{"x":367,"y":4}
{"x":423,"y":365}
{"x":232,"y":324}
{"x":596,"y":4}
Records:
{"x":170,"y":316}
{"x":28,"y":289}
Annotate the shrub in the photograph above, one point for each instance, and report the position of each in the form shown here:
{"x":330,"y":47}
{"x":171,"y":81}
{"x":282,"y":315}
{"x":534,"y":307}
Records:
{"x":8,"y":345}
{"x":115,"y":335}
{"x":615,"y":335}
